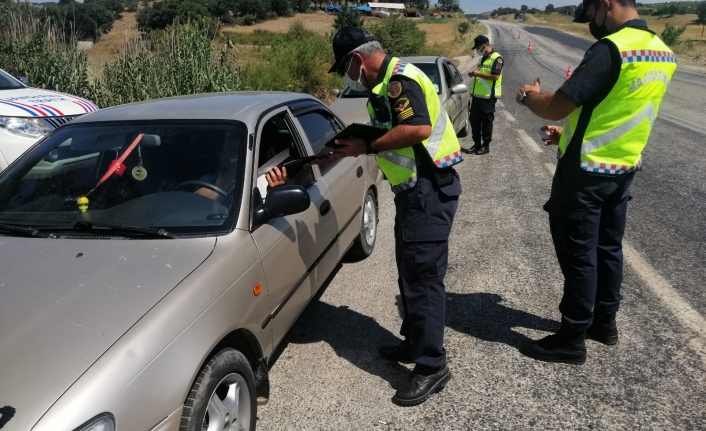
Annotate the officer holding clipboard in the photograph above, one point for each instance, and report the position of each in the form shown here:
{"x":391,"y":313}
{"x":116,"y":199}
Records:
{"x":417,"y":154}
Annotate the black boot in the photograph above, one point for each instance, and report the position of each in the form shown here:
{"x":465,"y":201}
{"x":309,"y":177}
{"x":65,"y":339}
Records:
{"x":398,"y":352}
{"x":471,"y":150}
{"x":566,"y":346}
{"x":485,"y":149}
{"x":603,"y":329}
{"x":421,"y":384}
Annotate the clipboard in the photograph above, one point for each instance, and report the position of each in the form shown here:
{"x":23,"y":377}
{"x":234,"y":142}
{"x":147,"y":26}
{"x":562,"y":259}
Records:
{"x":357,"y":130}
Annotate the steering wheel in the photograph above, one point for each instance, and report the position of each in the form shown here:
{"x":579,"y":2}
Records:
{"x":203,"y":184}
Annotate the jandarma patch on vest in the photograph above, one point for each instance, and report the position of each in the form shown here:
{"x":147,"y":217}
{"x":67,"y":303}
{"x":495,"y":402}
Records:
{"x":394,"y":89}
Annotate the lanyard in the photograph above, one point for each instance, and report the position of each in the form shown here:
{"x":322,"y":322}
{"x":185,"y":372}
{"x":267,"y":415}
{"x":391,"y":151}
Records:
{"x":119,"y":162}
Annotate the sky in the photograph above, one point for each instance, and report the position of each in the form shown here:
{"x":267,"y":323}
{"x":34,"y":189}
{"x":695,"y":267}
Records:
{"x":479,"y":6}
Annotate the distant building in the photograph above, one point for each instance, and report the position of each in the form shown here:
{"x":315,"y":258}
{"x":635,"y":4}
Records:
{"x":387,"y":8}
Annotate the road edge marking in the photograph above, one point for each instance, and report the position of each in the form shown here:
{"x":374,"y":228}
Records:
{"x":524,"y":137}
{"x":508,"y":116}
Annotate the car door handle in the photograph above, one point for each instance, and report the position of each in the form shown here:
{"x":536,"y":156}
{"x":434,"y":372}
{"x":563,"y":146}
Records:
{"x":325,"y":207}
{"x":359,"y":171}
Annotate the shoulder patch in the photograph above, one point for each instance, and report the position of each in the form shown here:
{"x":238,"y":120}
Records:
{"x":394,"y":89}
{"x":500,"y":60}
{"x":402,"y":104}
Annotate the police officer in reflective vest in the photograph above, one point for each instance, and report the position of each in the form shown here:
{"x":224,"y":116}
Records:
{"x":487,"y":87}
{"x":417,"y":156}
{"x":611,"y":102}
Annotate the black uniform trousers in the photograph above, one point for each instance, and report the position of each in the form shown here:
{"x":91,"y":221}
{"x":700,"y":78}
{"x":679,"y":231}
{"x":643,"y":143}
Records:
{"x":482,"y":115}
{"x":423,"y":219}
{"x":587,"y":215}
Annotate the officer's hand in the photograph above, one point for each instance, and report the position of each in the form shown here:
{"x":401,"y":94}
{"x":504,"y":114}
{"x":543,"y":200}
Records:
{"x":553,"y":134}
{"x":533,"y":87}
{"x":473,"y":73}
{"x":349,"y":148}
{"x":276,"y":177}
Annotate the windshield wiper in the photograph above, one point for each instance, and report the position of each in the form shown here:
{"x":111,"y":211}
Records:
{"x":26,"y":231}
{"x":149,"y":231}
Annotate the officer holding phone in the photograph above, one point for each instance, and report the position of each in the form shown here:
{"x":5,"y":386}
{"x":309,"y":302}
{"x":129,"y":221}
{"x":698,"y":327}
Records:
{"x":610,"y":105}
{"x":417,"y":155}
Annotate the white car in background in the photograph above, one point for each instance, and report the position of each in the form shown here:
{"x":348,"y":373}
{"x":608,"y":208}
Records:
{"x":27,"y":114}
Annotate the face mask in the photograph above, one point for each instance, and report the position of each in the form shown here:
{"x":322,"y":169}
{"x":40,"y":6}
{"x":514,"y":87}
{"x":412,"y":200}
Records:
{"x":480,"y":51}
{"x":354,"y":85}
{"x":598,"y":31}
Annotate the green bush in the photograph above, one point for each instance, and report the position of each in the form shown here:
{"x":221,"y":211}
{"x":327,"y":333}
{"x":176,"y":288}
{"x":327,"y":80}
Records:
{"x":347,"y":17}
{"x":162,"y":14}
{"x":463,"y":27}
{"x":671,"y":34}
{"x":400,"y":37}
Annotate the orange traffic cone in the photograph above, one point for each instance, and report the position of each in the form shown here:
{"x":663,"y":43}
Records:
{"x":568,"y":73}
{"x":529,"y":47}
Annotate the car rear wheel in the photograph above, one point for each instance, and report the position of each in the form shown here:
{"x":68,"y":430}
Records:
{"x":466,"y":127}
{"x":365,"y":243}
{"x":223,"y":396}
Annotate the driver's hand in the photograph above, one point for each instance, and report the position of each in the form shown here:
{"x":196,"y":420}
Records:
{"x":203,"y":191}
{"x":276,"y":177}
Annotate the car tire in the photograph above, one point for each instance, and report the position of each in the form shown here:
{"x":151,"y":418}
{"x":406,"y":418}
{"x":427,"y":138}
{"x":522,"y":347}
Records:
{"x":365,"y":242}
{"x":467,"y":127}
{"x":223,"y":392}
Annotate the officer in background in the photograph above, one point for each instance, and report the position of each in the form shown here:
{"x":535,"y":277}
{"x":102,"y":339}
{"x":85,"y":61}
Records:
{"x":486,"y":89}
{"x":416,"y":155}
{"x":611,"y":102}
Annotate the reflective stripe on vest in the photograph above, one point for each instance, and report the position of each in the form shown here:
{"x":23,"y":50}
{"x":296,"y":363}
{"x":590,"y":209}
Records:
{"x":400,"y":166}
{"x":619,"y":127}
{"x":485,"y":89}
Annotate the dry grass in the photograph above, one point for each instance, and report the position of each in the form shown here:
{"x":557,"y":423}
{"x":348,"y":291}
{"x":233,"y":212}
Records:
{"x":110,"y":44}
{"x":319,"y":22}
{"x":445,"y":40}
{"x":693,"y":56}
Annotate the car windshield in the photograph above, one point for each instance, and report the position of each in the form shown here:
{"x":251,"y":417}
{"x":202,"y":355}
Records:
{"x":431,"y":70}
{"x":8,"y":83}
{"x":183,"y":177}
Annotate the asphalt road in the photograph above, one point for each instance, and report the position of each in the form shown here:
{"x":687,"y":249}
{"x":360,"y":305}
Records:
{"x":504,"y":285}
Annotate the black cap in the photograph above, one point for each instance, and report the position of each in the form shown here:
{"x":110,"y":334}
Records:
{"x":346,"y":40}
{"x":582,"y":17}
{"x":480,"y":41}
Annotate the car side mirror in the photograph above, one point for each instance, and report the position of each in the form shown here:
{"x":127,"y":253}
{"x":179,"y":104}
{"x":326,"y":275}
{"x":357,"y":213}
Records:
{"x":459,"y":89}
{"x":335,"y":92}
{"x":281,"y":201}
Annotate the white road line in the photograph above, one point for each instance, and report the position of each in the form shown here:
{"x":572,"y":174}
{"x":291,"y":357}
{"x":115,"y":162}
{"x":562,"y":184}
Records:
{"x":501,"y":104}
{"x":670,"y":298}
{"x":551,"y":167}
{"x":524,"y":137}
{"x":508,"y":115}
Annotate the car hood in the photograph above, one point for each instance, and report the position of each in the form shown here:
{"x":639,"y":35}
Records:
{"x":35,"y":102}
{"x":351,"y":110}
{"x":63,"y":303}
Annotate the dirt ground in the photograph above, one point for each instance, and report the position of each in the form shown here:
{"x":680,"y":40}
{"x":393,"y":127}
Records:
{"x":110,"y":44}
{"x":320,"y":22}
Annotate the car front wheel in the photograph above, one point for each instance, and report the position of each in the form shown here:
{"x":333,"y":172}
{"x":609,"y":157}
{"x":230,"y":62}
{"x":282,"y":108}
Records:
{"x":365,"y":243}
{"x":223,"y":396}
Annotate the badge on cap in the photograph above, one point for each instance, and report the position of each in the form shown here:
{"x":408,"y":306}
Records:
{"x":394,"y":89}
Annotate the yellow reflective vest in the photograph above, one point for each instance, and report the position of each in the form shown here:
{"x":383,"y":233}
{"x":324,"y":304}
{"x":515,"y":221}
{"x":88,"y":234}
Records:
{"x":615,"y":132}
{"x":399,"y":166}
{"x":483,"y":88}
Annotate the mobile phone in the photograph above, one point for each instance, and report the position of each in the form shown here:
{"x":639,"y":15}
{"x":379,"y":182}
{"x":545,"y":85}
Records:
{"x":543,"y":135}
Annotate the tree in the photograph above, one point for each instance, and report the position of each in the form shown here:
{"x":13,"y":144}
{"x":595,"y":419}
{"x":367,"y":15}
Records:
{"x":550,"y":8}
{"x":347,"y":17}
{"x":701,"y":12}
{"x":164,"y":13}
{"x":400,"y":37}
{"x":449,"y":5}
{"x":524,"y":8}
{"x":418,"y":4}
{"x":671,"y":34}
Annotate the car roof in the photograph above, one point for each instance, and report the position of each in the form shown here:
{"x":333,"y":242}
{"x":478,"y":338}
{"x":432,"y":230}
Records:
{"x":422,"y":59}
{"x":242,"y":106}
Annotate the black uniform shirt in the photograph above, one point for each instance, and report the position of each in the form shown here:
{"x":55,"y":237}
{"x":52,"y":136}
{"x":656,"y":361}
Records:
{"x":407,"y":102}
{"x":599,"y":70}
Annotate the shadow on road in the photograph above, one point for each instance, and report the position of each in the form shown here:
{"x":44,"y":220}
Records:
{"x":483,"y":316}
{"x":353,"y":336}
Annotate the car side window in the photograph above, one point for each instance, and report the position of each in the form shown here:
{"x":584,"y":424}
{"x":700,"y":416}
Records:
{"x":457,"y":77}
{"x":319,"y":127}
{"x":277,"y":146}
{"x":448,"y":76}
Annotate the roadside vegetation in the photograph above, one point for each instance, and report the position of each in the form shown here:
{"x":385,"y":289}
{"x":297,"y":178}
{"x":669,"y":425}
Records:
{"x":195,"y":54}
{"x":680,"y":24}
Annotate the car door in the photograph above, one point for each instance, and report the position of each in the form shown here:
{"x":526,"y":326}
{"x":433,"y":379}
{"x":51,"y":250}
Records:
{"x":345,"y":178}
{"x":452,"y":101}
{"x":291,"y":246}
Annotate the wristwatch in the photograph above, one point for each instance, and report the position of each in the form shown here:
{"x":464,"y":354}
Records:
{"x":524,"y":96}
{"x":369,"y":148}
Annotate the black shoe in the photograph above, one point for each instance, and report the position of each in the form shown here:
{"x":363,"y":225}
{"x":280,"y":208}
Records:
{"x":419,"y":387}
{"x":398,"y":352}
{"x":566,"y":346}
{"x":471,"y":150}
{"x":603,"y":329}
{"x":483,"y":150}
